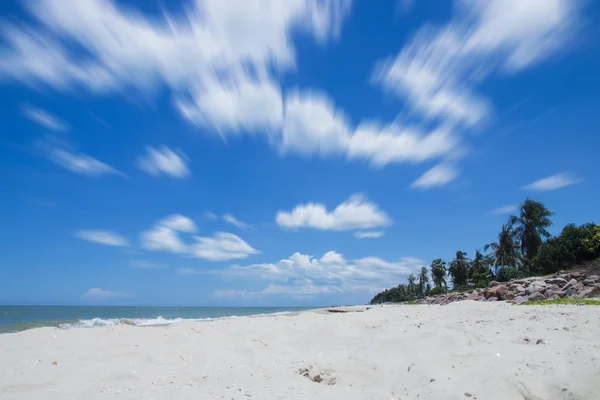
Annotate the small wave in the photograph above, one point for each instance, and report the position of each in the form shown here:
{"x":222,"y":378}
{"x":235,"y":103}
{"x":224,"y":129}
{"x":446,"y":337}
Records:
{"x":99,"y":322}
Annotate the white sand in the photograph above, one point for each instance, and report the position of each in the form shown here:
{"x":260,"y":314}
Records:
{"x":392,"y":352}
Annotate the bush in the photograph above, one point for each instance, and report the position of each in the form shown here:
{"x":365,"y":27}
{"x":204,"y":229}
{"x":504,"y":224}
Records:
{"x":482,"y":284}
{"x":506,"y":274}
{"x":437,"y":291}
{"x":575,"y":244}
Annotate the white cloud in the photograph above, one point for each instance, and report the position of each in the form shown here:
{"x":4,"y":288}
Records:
{"x":368,"y":234}
{"x":230,"y":219}
{"x":221,"y":247}
{"x":312,"y":125}
{"x":102,"y":237}
{"x":509,"y":209}
{"x":355,"y":213}
{"x":553,"y":182}
{"x":145,"y":264}
{"x":43,"y":119}
{"x":164,"y":161}
{"x":81,"y":163}
{"x":210,"y":215}
{"x":165,"y":236}
{"x":437,"y":71}
{"x":99,"y":294}
{"x":439,"y":175}
{"x":305,"y":276}
{"x":217,"y":60}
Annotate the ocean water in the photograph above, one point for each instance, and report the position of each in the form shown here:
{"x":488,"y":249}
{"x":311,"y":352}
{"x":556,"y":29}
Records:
{"x":19,"y":318}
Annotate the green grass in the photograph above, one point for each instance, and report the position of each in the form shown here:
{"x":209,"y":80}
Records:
{"x":573,"y":302}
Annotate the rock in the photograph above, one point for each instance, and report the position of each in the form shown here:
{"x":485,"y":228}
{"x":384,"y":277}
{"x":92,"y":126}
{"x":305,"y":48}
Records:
{"x":574,"y":291}
{"x":493,"y":284}
{"x":536,"y":286}
{"x":477,"y":296}
{"x":492,"y":299}
{"x":551,"y":294}
{"x":590,"y":291}
{"x":519,"y":299}
{"x":518,"y":289}
{"x":501,"y":291}
{"x":588,"y":282}
{"x":492,"y":292}
{"x":569,"y":284}
{"x":509,"y":296}
{"x":536,"y":297}
{"x":468,"y":394}
{"x":556,"y":281}
{"x":594,"y":278}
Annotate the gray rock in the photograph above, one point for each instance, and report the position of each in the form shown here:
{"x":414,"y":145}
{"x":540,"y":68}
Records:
{"x":536,"y":287}
{"x":493,"y":283}
{"x":519,"y":299}
{"x":569,"y":284}
{"x":556,"y":281}
{"x":590,"y":291}
{"x":536,"y":296}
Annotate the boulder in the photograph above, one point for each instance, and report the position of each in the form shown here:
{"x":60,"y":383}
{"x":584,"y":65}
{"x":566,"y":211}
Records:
{"x":594,"y":278}
{"x":573,"y":291}
{"x":492,"y":292}
{"x":569,"y":284}
{"x":493,"y":283}
{"x":590,"y":291}
{"x":492,"y":299}
{"x":518,"y":289}
{"x":536,"y":296}
{"x":475,"y":295}
{"x":557,"y":281}
{"x":501,"y":291}
{"x":509,"y":296}
{"x":519,"y":299}
{"x":536,"y":287}
{"x":589,"y":282}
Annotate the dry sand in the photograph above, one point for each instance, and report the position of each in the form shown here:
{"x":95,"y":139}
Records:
{"x":481,"y":350}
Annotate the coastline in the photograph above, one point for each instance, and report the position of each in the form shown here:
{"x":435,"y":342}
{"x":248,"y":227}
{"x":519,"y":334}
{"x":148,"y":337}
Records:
{"x":488,"y":350}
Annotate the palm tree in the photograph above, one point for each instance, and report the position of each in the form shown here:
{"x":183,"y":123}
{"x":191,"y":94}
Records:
{"x":531,"y":226}
{"x":438,"y":273}
{"x":423,"y":280}
{"x":480,"y":266}
{"x":459,"y":269}
{"x":411,"y":283}
{"x":505,"y":252}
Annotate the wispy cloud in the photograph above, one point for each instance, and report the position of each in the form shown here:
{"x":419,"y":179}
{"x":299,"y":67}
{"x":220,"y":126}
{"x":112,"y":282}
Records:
{"x":164,"y":161}
{"x":355,"y":213}
{"x":102,"y":237}
{"x":43,"y":118}
{"x":100,"y":294}
{"x":145,"y":264}
{"x":230,"y":219}
{"x":81,"y":163}
{"x":553,"y":182}
{"x":439,"y":175}
{"x":509,"y":209}
{"x":165,"y":235}
{"x":368,"y":234}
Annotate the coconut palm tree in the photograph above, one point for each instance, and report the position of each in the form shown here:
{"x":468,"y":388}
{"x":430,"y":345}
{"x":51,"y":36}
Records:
{"x":505,"y":252}
{"x":411,"y":283}
{"x":530,"y":226}
{"x":423,"y":280}
{"x":438,"y":273}
{"x":480,"y":266}
{"x":459,"y":269}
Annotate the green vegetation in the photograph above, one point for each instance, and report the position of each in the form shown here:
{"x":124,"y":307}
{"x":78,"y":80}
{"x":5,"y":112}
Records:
{"x":576,"y":302}
{"x":524,"y":248}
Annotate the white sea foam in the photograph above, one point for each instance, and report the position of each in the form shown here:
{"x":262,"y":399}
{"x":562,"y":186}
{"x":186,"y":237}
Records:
{"x":100,"y":322}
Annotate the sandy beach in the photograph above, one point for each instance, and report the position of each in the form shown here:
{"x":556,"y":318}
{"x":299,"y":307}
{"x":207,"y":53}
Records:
{"x":459,"y":351}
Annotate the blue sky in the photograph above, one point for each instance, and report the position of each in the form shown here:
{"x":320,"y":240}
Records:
{"x":281,"y":153}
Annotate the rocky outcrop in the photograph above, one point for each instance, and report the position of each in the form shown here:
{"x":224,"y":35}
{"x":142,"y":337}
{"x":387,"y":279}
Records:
{"x":579,"y":284}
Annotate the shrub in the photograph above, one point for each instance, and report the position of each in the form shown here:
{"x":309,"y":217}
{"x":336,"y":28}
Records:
{"x":575,"y":244}
{"x":482,"y":284}
{"x":506,"y":274}
{"x":437,"y":291}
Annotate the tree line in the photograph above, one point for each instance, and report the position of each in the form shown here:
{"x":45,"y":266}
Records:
{"x":524,"y":248}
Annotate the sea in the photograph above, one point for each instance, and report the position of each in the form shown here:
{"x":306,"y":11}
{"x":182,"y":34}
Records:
{"x":20,"y":318}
